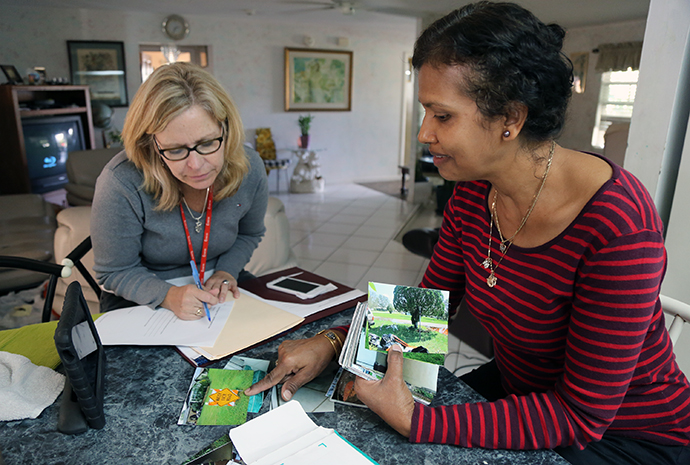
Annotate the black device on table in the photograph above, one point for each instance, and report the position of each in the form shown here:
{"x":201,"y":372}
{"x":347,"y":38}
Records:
{"x":83,"y":358}
{"x":293,"y":284}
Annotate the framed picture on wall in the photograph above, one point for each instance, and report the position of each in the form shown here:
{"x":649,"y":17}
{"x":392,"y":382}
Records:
{"x":318,"y":80}
{"x":580,"y":62}
{"x":12,"y":75}
{"x":101,"y":66}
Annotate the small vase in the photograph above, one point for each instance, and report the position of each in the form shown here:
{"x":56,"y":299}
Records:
{"x":304,"y":141}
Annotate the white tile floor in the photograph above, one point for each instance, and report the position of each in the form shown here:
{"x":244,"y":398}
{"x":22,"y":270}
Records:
{"x":347,"y":233}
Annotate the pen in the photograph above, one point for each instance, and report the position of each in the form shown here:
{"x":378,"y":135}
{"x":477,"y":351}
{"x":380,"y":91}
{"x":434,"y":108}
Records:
{"x":195,"y":273}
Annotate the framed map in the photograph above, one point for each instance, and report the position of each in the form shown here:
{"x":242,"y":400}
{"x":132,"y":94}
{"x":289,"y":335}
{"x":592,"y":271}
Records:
{"x":318,"y":80}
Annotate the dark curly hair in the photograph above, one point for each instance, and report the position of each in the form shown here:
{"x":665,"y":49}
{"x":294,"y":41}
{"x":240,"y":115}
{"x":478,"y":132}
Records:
{"x":512,"y":57}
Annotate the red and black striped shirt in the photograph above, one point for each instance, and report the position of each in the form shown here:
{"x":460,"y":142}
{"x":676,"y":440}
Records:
{"x":578,"y":329}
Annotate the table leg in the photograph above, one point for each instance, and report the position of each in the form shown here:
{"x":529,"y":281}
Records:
{"x":405,"y":171}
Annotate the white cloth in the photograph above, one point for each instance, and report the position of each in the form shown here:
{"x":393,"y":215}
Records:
{"x":26,"y":389}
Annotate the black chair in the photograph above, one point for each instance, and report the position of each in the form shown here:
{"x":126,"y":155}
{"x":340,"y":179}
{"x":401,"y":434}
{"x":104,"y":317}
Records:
{"x":55,"y":271}
{"x":421,"y":241}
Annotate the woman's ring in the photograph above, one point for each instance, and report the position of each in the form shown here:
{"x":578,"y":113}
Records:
{"x":226,"y":282}
{"x":198,"y":312}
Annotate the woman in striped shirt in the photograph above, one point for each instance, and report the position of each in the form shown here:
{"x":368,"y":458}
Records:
{"x":558,"y":253}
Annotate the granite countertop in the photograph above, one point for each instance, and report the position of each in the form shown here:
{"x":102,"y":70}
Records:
{"x":145,"y":390}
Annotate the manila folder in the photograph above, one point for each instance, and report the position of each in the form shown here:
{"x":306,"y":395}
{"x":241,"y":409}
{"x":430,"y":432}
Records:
{"x":251,"y":321}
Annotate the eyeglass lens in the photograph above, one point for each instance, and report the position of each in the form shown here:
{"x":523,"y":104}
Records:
{"x":204,"y":148}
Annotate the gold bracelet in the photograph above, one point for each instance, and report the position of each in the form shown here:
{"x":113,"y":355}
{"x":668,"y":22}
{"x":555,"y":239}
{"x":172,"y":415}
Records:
{"x":332,"y":338}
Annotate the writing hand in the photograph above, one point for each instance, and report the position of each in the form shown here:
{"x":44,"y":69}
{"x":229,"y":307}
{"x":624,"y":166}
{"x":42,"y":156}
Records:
{"x":186,"y":302}
{"x":389,"y":397}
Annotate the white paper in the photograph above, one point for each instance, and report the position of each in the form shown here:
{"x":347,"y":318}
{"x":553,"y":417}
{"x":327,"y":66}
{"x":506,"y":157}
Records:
{"x":304,"y":310}
{"x":82,"y":339}
{"x":252,"y":322}
{"x":286,"y":435}
{"x":281,"y":425}
{"x":142,"y":325}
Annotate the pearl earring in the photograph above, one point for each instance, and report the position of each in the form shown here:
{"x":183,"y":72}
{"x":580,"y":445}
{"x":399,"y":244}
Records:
{"x":506,"y":133}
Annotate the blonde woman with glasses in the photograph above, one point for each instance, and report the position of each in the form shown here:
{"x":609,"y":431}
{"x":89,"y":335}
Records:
{"x":185,"y":189}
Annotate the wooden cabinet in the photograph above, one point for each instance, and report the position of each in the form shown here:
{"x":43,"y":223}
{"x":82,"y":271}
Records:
{"x":18,"y":103}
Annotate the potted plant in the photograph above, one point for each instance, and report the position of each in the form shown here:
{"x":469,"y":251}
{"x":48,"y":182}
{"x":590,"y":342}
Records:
{"x":304,"y":123}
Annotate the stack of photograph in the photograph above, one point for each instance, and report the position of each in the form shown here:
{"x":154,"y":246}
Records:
{"x":416,"y":319}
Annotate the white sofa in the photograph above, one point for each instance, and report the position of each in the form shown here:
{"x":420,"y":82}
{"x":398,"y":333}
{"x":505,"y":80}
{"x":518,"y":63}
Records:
{"x":27,"y":225}
{"x":83,"y":168}
{"x":616,"y":142}
{"x":273,"y":254}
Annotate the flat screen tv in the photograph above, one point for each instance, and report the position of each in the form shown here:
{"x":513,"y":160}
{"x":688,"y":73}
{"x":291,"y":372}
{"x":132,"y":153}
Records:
{"x":48,"y":140}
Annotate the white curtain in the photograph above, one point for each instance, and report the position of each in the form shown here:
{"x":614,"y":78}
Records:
{"x":619,"y":57}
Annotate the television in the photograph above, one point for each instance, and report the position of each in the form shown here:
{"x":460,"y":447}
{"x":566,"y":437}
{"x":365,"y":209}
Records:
{"x":47,"y":141}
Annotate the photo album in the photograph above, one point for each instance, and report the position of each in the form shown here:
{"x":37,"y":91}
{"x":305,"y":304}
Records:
{"x":416,"y":319}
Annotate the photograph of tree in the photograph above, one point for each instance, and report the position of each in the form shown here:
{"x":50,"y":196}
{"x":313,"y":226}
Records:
{"x":421,"y":377}
{"x":416,"y":318}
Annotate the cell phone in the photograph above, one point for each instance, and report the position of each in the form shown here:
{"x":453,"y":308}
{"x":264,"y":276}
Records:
{"x":299,"y":287}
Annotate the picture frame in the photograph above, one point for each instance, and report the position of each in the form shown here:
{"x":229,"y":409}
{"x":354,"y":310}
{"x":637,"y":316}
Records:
{"x":580,"y":62}
{"x":12,"y":75}
{"x":101,"y":66}
{"x":318,"y":79}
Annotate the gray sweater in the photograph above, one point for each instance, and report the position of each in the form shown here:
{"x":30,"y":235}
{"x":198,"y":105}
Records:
{"x":137,"y":248}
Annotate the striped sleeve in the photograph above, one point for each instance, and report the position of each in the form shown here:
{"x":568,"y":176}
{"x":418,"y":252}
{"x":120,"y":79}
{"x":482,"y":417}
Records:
{"x":612,"y":311}
{"x":578,"y":329}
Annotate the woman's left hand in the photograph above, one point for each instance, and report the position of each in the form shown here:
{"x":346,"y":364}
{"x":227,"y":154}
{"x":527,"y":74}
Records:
{"x":389,"y":397}
{"x":225,"y":283}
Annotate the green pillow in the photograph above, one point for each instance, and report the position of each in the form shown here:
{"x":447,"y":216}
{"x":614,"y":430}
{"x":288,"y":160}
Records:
{"x":35,"y":342}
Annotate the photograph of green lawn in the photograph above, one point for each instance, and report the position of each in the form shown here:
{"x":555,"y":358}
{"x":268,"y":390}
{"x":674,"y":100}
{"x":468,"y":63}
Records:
{"x":416,"y":318}
{"x":216,"y":398}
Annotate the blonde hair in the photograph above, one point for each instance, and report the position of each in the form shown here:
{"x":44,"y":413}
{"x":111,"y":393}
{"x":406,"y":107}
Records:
{"x":168,"y":92}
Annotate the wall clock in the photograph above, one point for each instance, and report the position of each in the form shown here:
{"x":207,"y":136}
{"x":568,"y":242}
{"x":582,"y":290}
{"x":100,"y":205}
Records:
{"x":175,"y":27}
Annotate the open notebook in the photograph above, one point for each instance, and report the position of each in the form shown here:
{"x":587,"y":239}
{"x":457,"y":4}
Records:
{"x":287,"y":436}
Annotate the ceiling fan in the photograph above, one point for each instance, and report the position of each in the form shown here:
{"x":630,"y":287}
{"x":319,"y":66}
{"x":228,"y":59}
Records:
{"x":346,"y":8}
{"x":349,"y":8}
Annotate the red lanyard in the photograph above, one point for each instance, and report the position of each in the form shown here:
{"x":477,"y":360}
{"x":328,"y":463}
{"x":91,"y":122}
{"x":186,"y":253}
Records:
{"x":207,"y":232}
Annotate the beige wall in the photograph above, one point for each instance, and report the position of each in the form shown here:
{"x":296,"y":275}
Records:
{"x":583,"y":107}
{"x":247,"y":57}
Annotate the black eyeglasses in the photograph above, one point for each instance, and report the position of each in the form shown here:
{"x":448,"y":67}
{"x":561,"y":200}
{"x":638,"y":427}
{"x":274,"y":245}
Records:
{"x":206,"y":147}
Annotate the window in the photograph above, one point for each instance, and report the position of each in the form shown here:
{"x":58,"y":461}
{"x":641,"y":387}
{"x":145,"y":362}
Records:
{"x":154,"y":56}
{"x":616,"y":99}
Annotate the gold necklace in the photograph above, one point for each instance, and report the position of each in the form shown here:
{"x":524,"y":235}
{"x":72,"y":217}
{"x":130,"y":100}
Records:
{"x":199,"y":224}
{"x":506,"y":243}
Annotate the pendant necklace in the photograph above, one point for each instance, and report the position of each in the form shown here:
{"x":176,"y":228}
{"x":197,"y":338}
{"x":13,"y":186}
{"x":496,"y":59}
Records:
{"x":199,"y":224}
{"x":506,"y":243}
